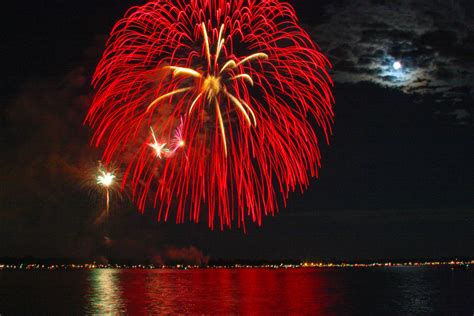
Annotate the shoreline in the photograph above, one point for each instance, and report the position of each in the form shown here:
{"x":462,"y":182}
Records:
{"x":303,"y":265}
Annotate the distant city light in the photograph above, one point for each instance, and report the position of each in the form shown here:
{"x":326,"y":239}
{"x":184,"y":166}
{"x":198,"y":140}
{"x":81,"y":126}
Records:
{"x":94,"y":265}
{"x":397,"y":65}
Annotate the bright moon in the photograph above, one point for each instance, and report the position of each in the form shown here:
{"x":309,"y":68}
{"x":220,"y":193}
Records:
{"x":397,"y":65}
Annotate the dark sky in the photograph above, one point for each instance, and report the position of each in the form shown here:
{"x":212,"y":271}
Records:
{"x":397,"y":179}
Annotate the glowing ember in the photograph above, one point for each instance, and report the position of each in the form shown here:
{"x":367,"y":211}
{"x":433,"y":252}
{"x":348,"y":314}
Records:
{"x":105,"y":179}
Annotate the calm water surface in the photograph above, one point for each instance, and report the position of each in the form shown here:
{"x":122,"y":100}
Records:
{"x":375,"y":291}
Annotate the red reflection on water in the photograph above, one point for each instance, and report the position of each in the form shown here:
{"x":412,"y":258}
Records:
{"x":225,"y":291}
{"x":134,"y":290}
{"x":283,"y":291}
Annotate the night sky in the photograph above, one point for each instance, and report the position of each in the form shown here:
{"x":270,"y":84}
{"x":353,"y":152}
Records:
{"x":397,"y":179}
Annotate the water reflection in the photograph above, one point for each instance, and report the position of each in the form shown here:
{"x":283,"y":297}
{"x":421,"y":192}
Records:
{"x":222,"y":291}
{"x":106,"y":294}
{"x":416,"y":290}
{"x":264,"y":291}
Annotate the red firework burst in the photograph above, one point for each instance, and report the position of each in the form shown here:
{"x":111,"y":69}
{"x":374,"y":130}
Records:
{"x":212,"y":103}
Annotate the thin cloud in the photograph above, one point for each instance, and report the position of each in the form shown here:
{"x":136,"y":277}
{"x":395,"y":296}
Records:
{"x":433,"y":41}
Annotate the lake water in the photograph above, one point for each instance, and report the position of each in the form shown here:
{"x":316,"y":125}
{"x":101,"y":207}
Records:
{"x":363,"y":291}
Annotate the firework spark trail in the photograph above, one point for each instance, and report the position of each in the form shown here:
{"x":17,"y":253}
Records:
{"x":243,"y":85}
